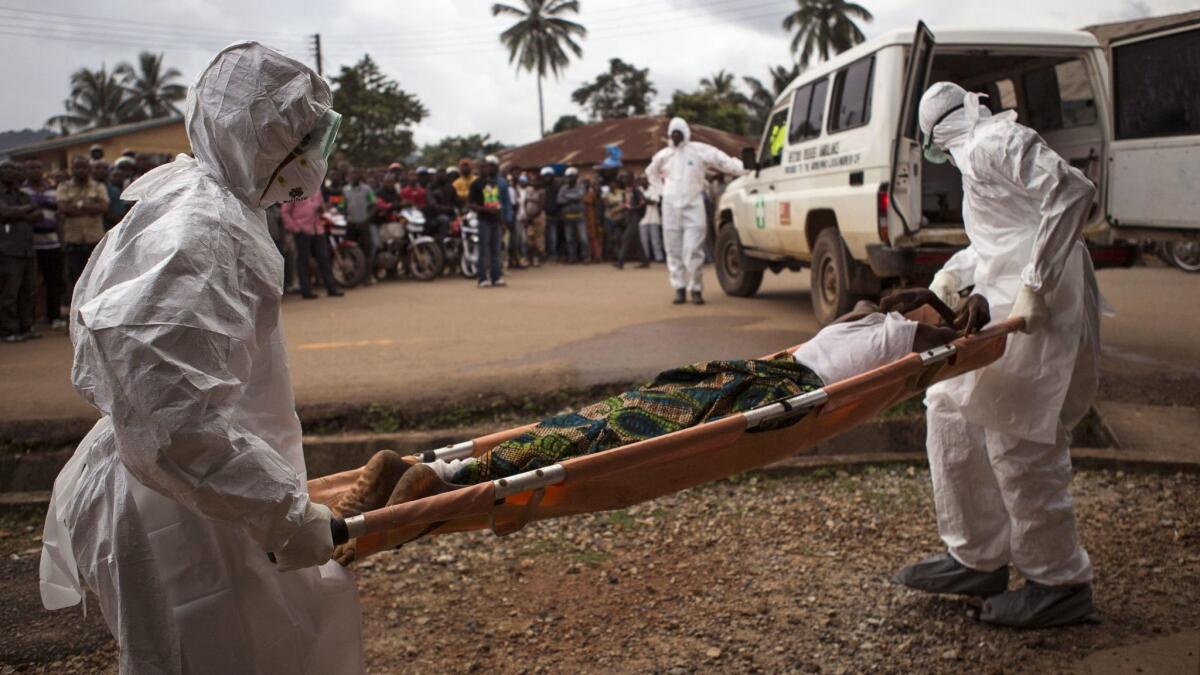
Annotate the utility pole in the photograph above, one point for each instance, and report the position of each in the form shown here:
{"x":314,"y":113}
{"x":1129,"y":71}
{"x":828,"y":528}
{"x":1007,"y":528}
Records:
{"x":316,"y":40}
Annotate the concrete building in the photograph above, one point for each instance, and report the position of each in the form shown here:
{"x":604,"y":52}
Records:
{"x":161,"y":136}
{"x":637,"y":137}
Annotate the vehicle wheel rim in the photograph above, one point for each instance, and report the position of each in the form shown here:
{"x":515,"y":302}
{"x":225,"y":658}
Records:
{"x":732,"y":264}
{"x":829,"y":289}
{"x":1187,"y":255}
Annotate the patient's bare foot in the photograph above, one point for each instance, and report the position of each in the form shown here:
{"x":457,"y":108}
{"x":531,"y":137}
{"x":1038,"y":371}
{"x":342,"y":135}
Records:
{"x":375,"y":483}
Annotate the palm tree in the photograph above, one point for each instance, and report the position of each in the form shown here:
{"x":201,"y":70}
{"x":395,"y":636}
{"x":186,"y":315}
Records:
{"x":150,"y":87}
{"x":762,"y":98}
{"x":535,"y":42}
{"x":720,"y":85}
{"x":97,"y":100}
{"x":825,"y":27}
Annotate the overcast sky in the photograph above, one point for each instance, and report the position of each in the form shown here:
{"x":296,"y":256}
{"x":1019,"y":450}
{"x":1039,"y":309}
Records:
{"x":447,"y":51}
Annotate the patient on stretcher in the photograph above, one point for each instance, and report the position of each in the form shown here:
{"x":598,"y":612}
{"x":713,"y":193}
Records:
{"x":868,"y":337}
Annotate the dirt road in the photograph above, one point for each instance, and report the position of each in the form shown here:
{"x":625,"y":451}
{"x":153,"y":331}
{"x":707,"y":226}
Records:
{"x":562,"y":326}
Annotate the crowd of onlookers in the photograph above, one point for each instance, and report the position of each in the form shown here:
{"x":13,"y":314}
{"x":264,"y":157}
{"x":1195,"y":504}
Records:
{"x":50,"y":222}
{"x":524,"y":218}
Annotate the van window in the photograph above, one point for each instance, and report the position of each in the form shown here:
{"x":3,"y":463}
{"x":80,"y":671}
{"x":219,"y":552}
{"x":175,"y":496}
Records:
{"x":1059,"y":97}
{"x":808,"y":111}
{"x":774,"y":140}
{"x":1156,"y":84}
{"x":852,"y":95}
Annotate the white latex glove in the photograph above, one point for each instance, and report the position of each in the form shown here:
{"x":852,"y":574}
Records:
{"x":1031,"y":306}
{"x":312,"y":544}
{"x":945,"y":286}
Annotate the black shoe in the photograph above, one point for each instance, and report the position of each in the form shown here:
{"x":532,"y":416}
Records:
{"x":1035,"y":605}
{"x":680,"y":297}
{"x":641,"y":265}
{"x":619,"y":265}
{"x":697,"y":299}
{"x":13,"y":337}
{"x":942,"y":573}
{"x":32,"y":334}
{"x":309,"y":296}
{"x":335,"y":294}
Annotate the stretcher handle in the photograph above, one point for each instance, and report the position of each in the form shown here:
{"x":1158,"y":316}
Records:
{"x":337,"y":527}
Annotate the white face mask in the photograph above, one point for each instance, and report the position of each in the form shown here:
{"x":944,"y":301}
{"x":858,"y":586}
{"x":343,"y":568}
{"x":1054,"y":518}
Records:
{"x":300,"y":179}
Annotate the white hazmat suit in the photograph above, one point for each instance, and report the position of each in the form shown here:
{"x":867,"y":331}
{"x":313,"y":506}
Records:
{"x":677,"y":172}
{"x":195,"y":470}
{"x":999,"y":437}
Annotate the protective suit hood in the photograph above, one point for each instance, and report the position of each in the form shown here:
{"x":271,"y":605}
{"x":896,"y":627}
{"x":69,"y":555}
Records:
{"x":679,"y":124}
{"x":950,"y":113}
{"x":247,"y":110}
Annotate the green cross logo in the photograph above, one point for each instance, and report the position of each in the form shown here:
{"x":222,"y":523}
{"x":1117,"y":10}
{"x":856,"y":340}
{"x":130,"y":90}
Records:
{"x":760,"y":213}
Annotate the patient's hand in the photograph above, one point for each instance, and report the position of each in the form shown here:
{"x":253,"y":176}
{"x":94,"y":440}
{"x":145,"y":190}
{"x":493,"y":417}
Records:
{"x":973,"y":315}
{"x":907,"y":300}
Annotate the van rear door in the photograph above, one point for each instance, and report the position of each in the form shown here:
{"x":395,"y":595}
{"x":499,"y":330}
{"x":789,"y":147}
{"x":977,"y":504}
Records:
{"x":1154,"y":159}
{"x":904,"y":188}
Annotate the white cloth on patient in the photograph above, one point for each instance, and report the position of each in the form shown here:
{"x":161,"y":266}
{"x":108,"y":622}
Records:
{"x":843,"y":350}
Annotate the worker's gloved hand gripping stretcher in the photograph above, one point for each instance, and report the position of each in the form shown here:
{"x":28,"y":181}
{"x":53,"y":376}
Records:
{"x":867,"y":338}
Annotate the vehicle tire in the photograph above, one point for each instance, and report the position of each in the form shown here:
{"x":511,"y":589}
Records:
{"x":425,"y":261}
{"x":831,"y":295}
{"x":1184,"y":254}
{"x":349,"y":266}
{"x":469,"y":270}
{"x":732,"y":271}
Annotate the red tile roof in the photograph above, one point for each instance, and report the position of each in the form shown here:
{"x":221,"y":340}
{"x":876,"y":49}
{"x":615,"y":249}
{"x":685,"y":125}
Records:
{"x":638,"y":137}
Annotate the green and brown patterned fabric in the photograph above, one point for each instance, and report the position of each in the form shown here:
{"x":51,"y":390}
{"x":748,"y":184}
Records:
{"x":676,"y":399}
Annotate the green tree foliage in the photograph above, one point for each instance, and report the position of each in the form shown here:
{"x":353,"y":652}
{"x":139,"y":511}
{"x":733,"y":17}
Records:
{"x":707,"y":108}
{"x":152,"y":88}
{"x":102,"y":98}
{"x":566,"y":123}
{"x":450,"y":149}
{"x":722,"y":85}
{"x":97,"y":100}
{"x":762,"y":97}
{"x":824,"y":27}
{"x":536,"y":41}
{"x":623,"y":91}
{"x":376,"y":115}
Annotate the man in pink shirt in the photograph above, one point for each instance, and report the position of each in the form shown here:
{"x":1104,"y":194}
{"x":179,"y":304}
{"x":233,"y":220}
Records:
{"x":303,"y":219}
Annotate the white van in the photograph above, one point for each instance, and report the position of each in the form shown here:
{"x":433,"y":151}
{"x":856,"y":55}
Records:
{"x":839,"y":183}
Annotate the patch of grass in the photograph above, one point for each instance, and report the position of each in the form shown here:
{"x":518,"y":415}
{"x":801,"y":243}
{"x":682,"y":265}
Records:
{"x":591,"y":557}
{"x":541,"y":547}
{"x":621,"y":519}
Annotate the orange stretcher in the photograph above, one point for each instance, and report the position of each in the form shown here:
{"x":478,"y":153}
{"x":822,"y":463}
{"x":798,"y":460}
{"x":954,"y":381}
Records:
{"x":642,"y":471}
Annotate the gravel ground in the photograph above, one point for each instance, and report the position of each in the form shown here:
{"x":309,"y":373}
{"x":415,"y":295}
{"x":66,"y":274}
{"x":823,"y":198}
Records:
{"x":766,"y":574}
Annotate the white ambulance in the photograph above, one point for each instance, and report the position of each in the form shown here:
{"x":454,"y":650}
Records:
{"x":839,"y":184}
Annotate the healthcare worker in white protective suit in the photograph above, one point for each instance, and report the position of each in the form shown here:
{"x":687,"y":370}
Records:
{"x":194,"y":472}
{"x":677,"y":172}
{"x":999,"y":437}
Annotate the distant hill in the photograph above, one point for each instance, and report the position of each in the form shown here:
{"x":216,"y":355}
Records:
{"x":12,"y":139}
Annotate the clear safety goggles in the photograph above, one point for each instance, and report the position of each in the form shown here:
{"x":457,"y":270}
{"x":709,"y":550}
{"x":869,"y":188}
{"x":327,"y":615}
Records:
{"x":319,"y":142}
{"x":933,"y":153}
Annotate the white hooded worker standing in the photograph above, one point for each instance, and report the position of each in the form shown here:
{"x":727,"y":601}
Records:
{"x":999,"y":437}
{"x":194,"y":472}
{"x":677,"y":172}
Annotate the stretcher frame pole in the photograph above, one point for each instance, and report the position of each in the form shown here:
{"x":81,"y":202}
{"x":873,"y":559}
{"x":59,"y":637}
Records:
{"x":800,"y":403}
{"x":449,"y":452}
{"x":529,"y":480}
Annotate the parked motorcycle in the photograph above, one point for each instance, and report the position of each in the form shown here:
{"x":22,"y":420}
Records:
{"x":404,"y":248}
{"x":469,"y":228}
{"x":349,"y":262}
{"x":452,"y":247}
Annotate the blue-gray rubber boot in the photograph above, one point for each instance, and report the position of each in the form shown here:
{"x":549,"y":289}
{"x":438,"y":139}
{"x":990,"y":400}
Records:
{"x":943,"y":574}
{"x":1035,"y":605}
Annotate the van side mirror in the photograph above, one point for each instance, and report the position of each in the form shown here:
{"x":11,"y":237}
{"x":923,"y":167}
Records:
{"x":749,"y":161}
